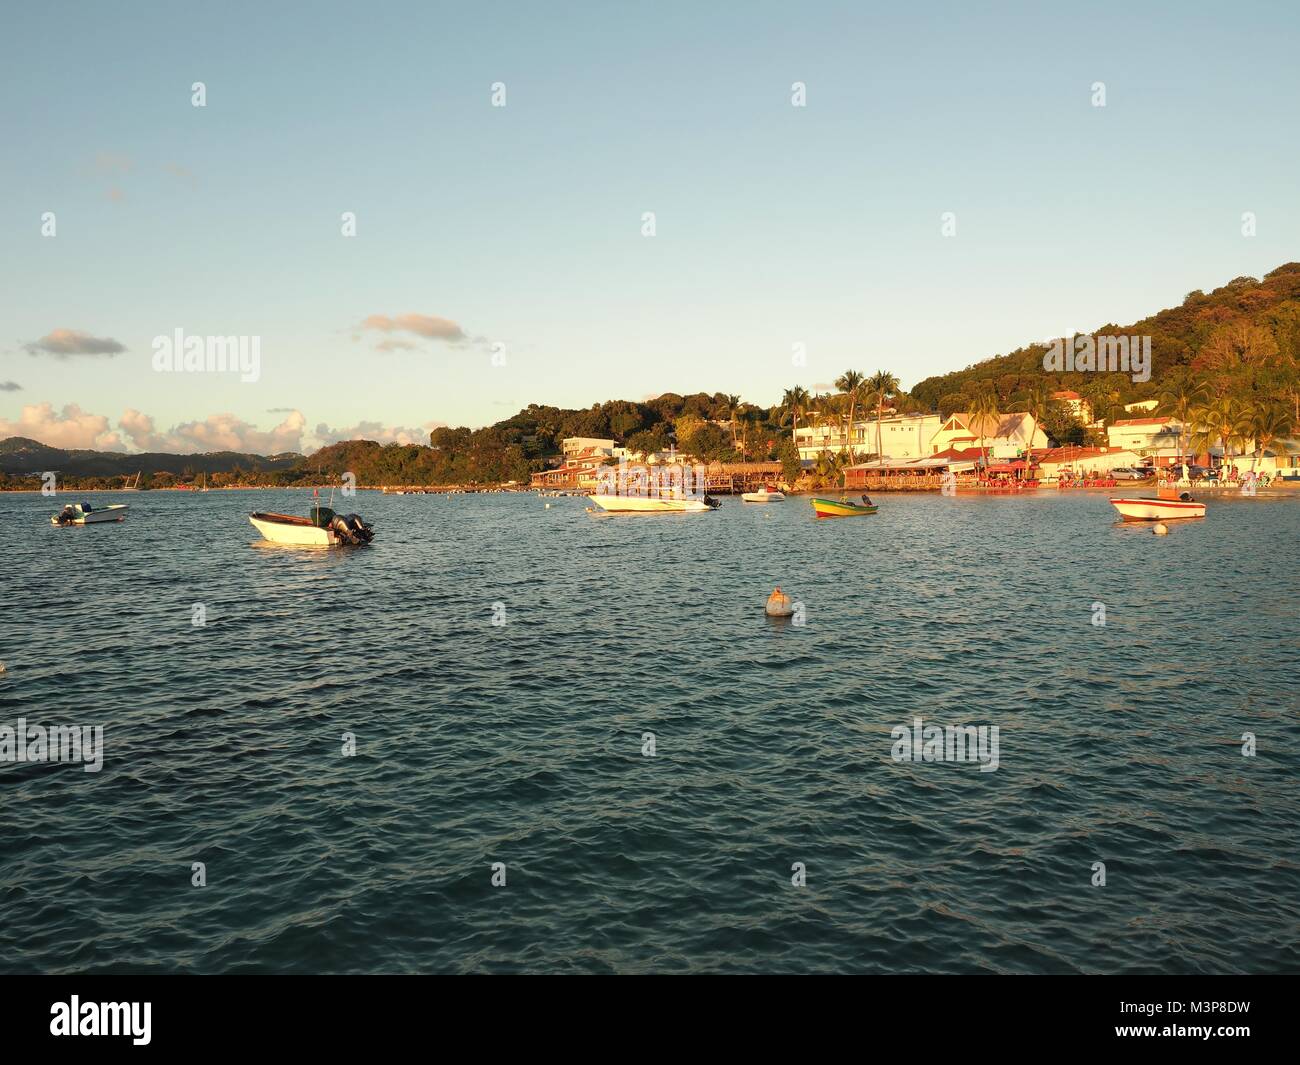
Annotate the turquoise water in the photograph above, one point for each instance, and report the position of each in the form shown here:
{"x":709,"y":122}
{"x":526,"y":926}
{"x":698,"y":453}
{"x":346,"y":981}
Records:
{"x":521,"y":743}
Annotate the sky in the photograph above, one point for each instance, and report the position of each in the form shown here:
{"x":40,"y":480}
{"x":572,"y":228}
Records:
{"x":501,"y":255}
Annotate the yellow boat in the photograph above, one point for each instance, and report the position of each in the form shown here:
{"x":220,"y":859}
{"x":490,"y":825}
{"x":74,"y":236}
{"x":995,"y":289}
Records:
{"x":840,"y":508}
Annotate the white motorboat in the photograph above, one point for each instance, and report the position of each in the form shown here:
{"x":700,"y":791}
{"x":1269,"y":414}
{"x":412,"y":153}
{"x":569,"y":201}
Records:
{"x":85,"y":514}
{"x":1151,"y":508}
{"x":662,"y":504}
{"x":323,"y":529}
{"x":768,"y":494}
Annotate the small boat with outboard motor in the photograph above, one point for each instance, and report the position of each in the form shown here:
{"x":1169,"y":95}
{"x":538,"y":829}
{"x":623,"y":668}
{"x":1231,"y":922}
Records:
{"x":842,"y":508}
{"x":769,"y":493}
{"x":653,"y":504}
{"x":85,"y":514}
{"x":323,"y":528}
{"x":1168,"y":503}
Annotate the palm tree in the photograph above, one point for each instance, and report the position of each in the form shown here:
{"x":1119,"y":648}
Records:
{"x":1219,"y":419}
{"x":850,"y":383}
{"x":795,"y":403}
{"x":1038,"y":404}
{"x":1179,"y":398}
{"x":884,"y":385}
{"x":733,"y":402}
{"x":1269,"y":423}
{"x":984,"y":414}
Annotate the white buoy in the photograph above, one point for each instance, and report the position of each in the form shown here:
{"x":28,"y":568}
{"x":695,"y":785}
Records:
{"x":1161,"y":529}
{"x":548,"y":506}
{"x":779,"y":605}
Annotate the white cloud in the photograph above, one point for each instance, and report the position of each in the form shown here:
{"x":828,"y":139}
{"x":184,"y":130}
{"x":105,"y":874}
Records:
{"x":71,"y":427}
{"x":422,"y":325}
{"x":217,"y":432}
{"x":376,"y":431}
{"x":62,"y":343}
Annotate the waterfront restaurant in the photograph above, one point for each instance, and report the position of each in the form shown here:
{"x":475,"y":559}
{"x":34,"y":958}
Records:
{"x":912,"y":475}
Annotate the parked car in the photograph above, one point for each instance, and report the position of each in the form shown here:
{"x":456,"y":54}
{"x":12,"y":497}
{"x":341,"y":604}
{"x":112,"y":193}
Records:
{"x":1131,"y":473}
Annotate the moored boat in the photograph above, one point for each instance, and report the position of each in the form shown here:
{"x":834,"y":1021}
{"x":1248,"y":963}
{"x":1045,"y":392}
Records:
{"x":1152,"y":508}
{"x":616,"y":504}
{"x":85,"y":514}
{"x":840,"y":508}
{"x":768,"y":494}
{"x":323,"y":529}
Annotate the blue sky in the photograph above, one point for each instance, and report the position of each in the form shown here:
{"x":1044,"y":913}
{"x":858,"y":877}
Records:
{"x":775,"y":225}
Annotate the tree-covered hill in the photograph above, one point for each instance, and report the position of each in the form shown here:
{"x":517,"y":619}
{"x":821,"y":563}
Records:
{"x":1180,"y":336}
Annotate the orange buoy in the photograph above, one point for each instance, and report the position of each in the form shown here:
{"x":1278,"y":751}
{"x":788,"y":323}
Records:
{"x":779,"y":605}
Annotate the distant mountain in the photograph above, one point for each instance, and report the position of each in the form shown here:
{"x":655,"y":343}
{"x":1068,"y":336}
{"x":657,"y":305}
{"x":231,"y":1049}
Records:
{"x":20,"y":455}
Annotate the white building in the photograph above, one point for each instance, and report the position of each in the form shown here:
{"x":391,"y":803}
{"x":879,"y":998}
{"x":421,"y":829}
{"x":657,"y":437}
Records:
{"x":1156,"y":437}
{"x":1013,"y":434}
{"x":586,"y":448}
{"x":902,"y":436}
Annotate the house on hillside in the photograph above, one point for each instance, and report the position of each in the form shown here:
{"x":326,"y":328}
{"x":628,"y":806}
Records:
{"x":1013,"y":434}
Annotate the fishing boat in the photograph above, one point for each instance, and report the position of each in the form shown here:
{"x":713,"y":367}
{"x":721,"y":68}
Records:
{"x":85,"y":514}
{"x":666,"y":504}
{"x":1159,"y":508}
{"x":768,"y":494}
{"x":840,"y":508}
{"x":323,"y":529}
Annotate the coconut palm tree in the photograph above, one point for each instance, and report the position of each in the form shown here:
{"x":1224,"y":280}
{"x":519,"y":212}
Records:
{"x":1219,"y":420}
{"x":1269,"y":423}
{"x":733,"y":402}
{"x":1038,"y":404}
{"x":1179,"y":398}
{"x":883,"y":385}
{"x":984,"y":415}
{"x":795,"y":403}
{"x":850,"y":383}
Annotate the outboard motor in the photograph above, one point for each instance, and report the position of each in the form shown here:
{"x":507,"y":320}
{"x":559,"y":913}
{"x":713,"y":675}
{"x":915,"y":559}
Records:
{"x":351,"y":529}
{"x":709,"y":501}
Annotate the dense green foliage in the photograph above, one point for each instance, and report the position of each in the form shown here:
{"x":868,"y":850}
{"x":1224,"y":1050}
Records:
{"x":1179,"y":337}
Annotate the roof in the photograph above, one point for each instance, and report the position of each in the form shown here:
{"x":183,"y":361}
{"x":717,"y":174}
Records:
{"x":1066,"y":395}
{"x":1143,"y":421}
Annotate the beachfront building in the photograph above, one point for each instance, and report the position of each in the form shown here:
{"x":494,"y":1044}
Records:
{"x":1157,"y":438}
{"x":902,"y":436}
{"x":1014,"y":434}
{"x":587,"y":449}
{"x":919,"y":474}
{"x":1083,"y":462}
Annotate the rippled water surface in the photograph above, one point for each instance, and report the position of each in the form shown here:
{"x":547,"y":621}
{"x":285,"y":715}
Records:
{"x":522,"y":743}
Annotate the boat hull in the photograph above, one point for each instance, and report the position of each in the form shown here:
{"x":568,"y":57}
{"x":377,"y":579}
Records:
{"x":834,"y":508}
{"x":116,"y":512}
{"x":762,"y":497}
{"x":305,"y":535}
{"x":1157,"y":509}
{"x":649,"y":505}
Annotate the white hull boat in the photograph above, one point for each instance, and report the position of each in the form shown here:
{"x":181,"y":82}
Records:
{"x":1152,"y":509}
{"x":766,"y":495}
{"x":615,"y":504}
{"x":323,"y":529}
{"x":84,"y":514}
